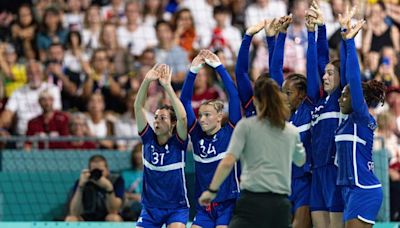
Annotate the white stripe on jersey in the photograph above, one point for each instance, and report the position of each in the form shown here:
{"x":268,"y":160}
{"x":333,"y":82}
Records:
{"x":209,"y":160}
{"x":164,"y":168}
{"x":355,"y":163}
{"x":184,"y":179}
{"x":365,"y":220}
{"x":304,"y":127}
{"x":326,"y":115}
{"x":349,"y":138}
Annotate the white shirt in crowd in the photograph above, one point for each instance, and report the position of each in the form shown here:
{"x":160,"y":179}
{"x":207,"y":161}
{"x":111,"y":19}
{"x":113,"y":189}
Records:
{"x":98,"y":129}
{"x":138,"y":40}
{"x":254,"y":14}
{"x":24,"y":103}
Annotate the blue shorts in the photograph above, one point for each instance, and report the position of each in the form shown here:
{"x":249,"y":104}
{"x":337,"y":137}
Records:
{"x":362,"y":204}
{"x":325,"y":194}
{"x":301,"y":188}
{"x":157,"y":217}
{"x":217,"y":214}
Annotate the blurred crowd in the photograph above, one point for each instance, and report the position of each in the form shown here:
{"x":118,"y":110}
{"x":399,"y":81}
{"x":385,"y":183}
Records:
{"x":73,"y":67}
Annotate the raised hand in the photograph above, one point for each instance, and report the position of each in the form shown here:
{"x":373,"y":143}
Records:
{"x":310,"y":22}
{"x":252,"y":30}
{"x":198,"y":62}
{"x":212,"y":59}
{"x":353,"y":30}
{"x":153,"y":74}
{"x":271,"y":27}
{"x":316,"y":12}
{"x":284,"y":23}
{"x":165,"y":73}
{"x":345,"y":20}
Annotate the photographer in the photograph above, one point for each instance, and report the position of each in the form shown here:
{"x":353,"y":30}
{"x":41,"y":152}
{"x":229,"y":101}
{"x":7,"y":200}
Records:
{"x":97,"y":195}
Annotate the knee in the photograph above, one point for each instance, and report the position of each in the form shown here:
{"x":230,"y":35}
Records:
{"x":71,"y":218}
{"x":113,"y":218}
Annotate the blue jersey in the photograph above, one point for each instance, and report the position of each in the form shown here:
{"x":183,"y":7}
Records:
{"x":302,"y":120}
{"x":208,"y":151}
{"x":354,"y":138}
{"x":164,"y":184}
{"x":325,"y":120}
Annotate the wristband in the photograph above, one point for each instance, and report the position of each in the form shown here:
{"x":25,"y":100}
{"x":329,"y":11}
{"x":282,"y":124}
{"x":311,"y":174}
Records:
{"x":196,"y":69}
{"x":343,"y":29}
{"x":212,"y":191}
{"x":213,"y":64}
{"x":110,"y":192}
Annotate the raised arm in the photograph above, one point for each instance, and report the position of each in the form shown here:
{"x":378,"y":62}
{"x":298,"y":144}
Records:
{"x":343,"y":61}
{"x":345,"y":24}
{"x":313,"y":81}
{"x":165,"y":81}
{"x":234,"y":101}
{"x":245,"y":88}
{"x":322,"y":41}
{"x":276,"y":68}
{"x":271,"y":30}
{"x":140,"y":115}
{"x":187,"y":89}
{"x":353,"y":75}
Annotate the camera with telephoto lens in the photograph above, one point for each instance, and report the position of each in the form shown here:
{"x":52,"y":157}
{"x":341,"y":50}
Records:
{"x":95,"y":174}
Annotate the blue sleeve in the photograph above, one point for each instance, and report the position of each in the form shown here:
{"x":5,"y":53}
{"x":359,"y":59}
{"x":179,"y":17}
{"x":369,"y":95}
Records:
{"x":276,"y":68}
{"x":186,"y":98}
{"x":242,"y":67}
{"x":343,"y":61}
{"x":353,"y":76}
{"x":271,"y":47}
{"x":234,"y":101}
{"x":313,"y":84}
{"x":323,"y":50}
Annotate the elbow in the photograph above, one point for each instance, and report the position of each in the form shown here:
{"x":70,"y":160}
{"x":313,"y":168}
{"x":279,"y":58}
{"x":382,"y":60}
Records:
{"x":183,"y":118}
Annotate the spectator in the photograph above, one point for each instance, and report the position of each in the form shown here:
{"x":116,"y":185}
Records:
{"x":73,"y":19}
{"x":225,"y":37}
{"x":185,"y":31}
{"x":92,"y":27}
{"x":386,"y":74}
{"x":133,"y":185}
{"x":202,"y":14}
{"x":78,"y":127}
{"x":134,"y":36}
{"x":51,"y":31}
{"x":393,"y":11}
{"x":171,"y":54}
{"x":126,"y":125}
{"x":100,"y":79}
{"x":390,"y":55}
{"x":59,"y":75}
{"x":75,"y":58}
{"x":238,"y":14}
{"x":121,"y":59}
{"x":379,"y":33}
{"x":24,"y":104}
{"x":23,"y":32}
{"x":114,"y":12}
{"x":97,"y":195}
{"x":50,"y":124}
{"x":264,"y":9}
{"x":99,"y":125}
{"x":12,"y":72}
{"x":204,"y":89}
{"x":152,"y":12}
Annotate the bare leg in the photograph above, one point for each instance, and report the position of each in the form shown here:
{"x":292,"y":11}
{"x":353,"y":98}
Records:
{"x":302,"y":218}
{"x":320,"y":219}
